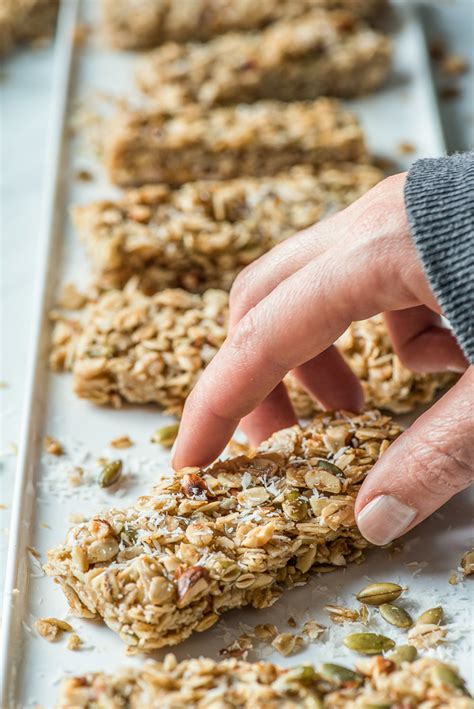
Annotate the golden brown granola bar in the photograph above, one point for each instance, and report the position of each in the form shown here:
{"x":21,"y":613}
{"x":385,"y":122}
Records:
{"x":234,"y":534}
{"x":221,"y":143}
{"x":203,"y":234}
{"x":202,"y":683}
{"x":318,"y":54}
{"x":131,"y":347}
{"x":140,"y":24}
{"x":25,"y":20}
{"x":387,"y":383}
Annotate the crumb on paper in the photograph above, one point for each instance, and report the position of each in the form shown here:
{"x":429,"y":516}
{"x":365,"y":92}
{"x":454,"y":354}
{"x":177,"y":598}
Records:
{"x":467,"y":563}
{"x":84,"y":176}
{"x":52,"y":446}
{"x":292,"y":622}
{"x":341,"y":614}
{"x":426,"y":635}
{"x":3,"y":384}
{"x":238,"y":648}
{"x":449,"y":92}
{"x":13,"y":448}
{"x":437,"y":49}
{"x":81,"y":33}
{"x":76,"y":518}
{"x":45,"y":525}
{"x":121,"y":442}
{"x":74,"y":642}
{"x":75,"y":476}
{"x":313,"y":630}
{"x":34,"y":552}
{"x":288,"y":643}
{"x":266,"y":631}
{"x":71,"y":298}
{"x":406,"y":148}
{"x":453,"y":580}
{"x":51,"y":628}
{"x":454,"y":65}
{"x":3,"y":507}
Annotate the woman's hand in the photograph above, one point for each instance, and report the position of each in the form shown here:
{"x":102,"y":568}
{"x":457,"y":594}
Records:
{"x":286,"y":311}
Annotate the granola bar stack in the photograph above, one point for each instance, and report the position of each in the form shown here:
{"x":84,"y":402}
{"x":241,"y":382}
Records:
{"x":235,"y":684}
{"x":234,"y":534}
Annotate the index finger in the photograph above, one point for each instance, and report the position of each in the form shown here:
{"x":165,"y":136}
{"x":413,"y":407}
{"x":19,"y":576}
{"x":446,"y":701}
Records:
{"x":300,"y":318}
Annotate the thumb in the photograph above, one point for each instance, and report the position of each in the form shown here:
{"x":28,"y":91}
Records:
{"x":423,"y":469}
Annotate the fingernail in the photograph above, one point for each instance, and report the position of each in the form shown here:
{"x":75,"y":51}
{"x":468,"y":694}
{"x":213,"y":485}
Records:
{"x":456,"y":369}
{"x":384,"y":519}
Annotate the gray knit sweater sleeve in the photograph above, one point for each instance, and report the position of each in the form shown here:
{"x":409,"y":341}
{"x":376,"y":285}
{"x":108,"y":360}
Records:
{"x":439,"y":197}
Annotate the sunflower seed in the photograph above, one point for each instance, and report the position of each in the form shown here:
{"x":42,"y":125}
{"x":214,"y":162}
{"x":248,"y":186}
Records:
{"x":110,"y":473}
{"x":368,"y":643}
{"x":433,"y":616}
{"x":377,"y":593}
{"x":395,"y":615}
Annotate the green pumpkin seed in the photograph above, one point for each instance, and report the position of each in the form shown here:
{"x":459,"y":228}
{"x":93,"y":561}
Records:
{"x":395,"y":615}
{"x":368,"y":643}
{"x":338,"y":674}
{"x":330,"y":467}
{"x":302,"y":673}
{"x":433,"y":616}
{"x":403,"y":653}
{"x":166,"y":435}
{"x":294,"y":507}
{"x":313,"y":702}
{"x":445,"y":675}
{"x":377,"y":593}
{"x":110,"y":473}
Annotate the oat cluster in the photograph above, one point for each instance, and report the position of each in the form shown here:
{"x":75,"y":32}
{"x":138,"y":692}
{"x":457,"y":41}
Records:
{"x":155,"y":21}
{"x":235,"y":534}
{"x":201,"y":235}
{"x":235,"y":684}
{"x":292,"y":60}
{"x":262,"y":138}
{"x":25,"y":21}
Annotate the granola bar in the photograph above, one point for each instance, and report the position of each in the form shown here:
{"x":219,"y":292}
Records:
{"x":142,"y":349}
{"x":234,"y":534}
{"x":25,"y":21}
{"x":203,"y":234}
{"x":387,"y":383}
{"x":141,"y":24}
{"x":318,"y":54}
{"x":236,"y":684}
{"x":221,"y":143}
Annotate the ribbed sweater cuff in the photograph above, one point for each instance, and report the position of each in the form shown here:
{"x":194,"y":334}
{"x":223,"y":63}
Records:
{"x":439,"y":198}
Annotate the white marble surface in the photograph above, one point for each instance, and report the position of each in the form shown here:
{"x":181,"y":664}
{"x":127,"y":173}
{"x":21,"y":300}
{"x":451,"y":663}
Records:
{"x":25,"y":92}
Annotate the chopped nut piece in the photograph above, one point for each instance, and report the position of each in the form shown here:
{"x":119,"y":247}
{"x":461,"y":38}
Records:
{"x":75,"y":476}
{"x":202,"y":682}
{"x":121,"y":442}
{"x":454,"y":65}
{"x":287,"y":643}
{"x":266,"y":631}
{"x":51,"y":628}
{"x":110,"y":566}
{"x":467,"y":563}
{"x":313,"y":630}
{"x":425,"y":635}
{"x":341,"y":615}
{"x":74,"y":642}
{"x":52,"y":446}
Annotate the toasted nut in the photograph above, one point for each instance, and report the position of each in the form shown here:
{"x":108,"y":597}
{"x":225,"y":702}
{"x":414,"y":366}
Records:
{"x":432,"y":616}
{"x":194,"y":487}
{"x":110,"y":473}
{"x":74,"y":642}
{"x":368,"y":643}
{"x":191,"y":583}
{"x":166,"y":435}
{"x":259,"y":536}
{"x":403,"y":653}
{"x":340,"y":675}
{"x":395,"y":615}
{"x":377,"y":593}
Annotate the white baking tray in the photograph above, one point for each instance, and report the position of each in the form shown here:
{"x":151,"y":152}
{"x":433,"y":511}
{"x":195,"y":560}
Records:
{"x":405,"y":111}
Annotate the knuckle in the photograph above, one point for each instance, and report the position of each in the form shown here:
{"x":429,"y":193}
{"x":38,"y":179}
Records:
{"x":240,"y":298}
{"x":448,"y":467}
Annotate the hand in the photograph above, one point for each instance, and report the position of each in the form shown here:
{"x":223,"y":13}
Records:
{"x":286,"y":311}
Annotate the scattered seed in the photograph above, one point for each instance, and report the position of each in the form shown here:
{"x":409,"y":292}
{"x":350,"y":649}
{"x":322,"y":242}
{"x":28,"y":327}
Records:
{"x":301,"y":673}
{"x":368,"y":643}
{"x":424,"y":635}
{"x":266,"y":631}
{"x":313,"y":630}
{"x":467,"y":563}
{"x":395,"y":615}
{"x":330,"y":467}
{"x":110,"y":473}
{"x":339,"y":675}
{"x":377,"y":593}
{"x":74,"y":642}
{"x":166,"y":435}
{"x":432,"y":616}
{"x":121,"y":442}
{"x":287,"y":643}
{"x":403,"y":653}
{"x":443,"y":674}
{"x":292,"y":622}
{"x":453,"y":580}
